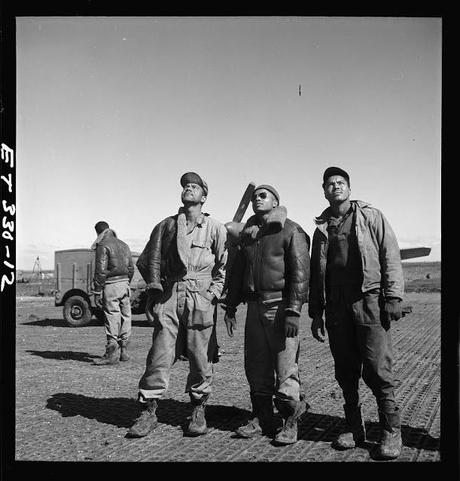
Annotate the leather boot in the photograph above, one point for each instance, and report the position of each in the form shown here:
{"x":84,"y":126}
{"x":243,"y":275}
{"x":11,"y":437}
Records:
{"x":147,"y":420}
{"x":390,"y":435}
{"x":124,"y":356}
{"x":197,"y":425}
{"x":261,"y":421}
{"x":110,"y":356}
{"x":290,"y":411}
{"x":354,"y":432}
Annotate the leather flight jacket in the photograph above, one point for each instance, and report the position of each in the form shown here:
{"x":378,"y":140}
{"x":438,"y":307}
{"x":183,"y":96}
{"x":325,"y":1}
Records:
{"x":113,"y":261}
{"x":272,"y":263}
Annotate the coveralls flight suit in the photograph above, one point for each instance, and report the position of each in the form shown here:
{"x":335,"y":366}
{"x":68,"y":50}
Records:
{"x":183,"y":314}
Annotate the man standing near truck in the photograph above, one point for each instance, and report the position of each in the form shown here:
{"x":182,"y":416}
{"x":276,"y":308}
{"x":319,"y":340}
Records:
{"x":112,"y":275}
{"x":184,"y":266}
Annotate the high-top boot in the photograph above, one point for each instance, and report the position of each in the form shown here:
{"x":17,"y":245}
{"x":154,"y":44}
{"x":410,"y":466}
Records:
{"x":261,"y":421}
{"x":290,"y":411}
{"x":390,"y":435}
{"x":110,"y":356}
{"x":197,"y":425}
{"x":124,"y":356}
{"x":147,"y":420}
{"x":354,"y":432}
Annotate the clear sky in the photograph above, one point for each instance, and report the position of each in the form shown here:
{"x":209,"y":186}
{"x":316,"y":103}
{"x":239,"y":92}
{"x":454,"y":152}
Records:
{"x":111,"y":111}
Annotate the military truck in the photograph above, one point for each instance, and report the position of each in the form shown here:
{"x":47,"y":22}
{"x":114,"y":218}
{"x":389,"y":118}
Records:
{"x":74,"y":272}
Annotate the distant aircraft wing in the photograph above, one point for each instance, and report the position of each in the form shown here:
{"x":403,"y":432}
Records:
{"x":412,"y":252}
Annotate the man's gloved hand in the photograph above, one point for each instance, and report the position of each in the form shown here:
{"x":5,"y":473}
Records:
{"x":317,"y":328}
{"x":230,"y":321}
{"x":291,"y":325}
{"x":153,"y":296}
{"x":98,"y":299}
{"x":392,"y":308}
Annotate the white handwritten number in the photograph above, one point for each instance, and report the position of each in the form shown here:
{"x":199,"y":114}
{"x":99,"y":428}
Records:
{"x":11,"y":209}
{"x":7,"y":281}
{"x":8,"y":225}
{"x":8,"y":182}
{"x":7,"y":155}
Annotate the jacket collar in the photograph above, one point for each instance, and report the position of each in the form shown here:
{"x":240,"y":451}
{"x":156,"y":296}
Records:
{"x":201,"y":219}
{"x":105,"y":233}
{"x":322,"y":219}
{"x":277,"y":215}
{"x":276,"y":218}
{"x":326,"y":214}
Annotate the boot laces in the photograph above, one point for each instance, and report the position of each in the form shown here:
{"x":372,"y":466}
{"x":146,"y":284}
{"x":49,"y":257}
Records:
{"x":253,"y":423}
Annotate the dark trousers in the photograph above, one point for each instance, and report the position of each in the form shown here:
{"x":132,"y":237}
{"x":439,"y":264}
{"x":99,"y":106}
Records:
{"x":360,"y":342}
{"x":270,"y":358}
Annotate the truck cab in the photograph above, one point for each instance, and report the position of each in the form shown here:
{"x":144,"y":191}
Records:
{"x":74,"y":272}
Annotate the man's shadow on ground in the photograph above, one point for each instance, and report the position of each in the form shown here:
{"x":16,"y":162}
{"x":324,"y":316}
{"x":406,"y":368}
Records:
{"x":60,"y":322}
{"x":326,"y":428}
{"x":72,"y":355}
{"x":66,"y":355}
{"x":122,"y":413}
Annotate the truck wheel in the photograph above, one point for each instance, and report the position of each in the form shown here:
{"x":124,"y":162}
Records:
{"x":77,"y":312}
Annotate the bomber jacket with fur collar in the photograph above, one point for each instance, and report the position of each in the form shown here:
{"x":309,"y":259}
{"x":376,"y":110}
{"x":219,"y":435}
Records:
{"x":272,"y":263}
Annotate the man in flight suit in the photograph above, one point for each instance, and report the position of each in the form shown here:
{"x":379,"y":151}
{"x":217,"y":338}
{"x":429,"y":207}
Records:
{"x":183,"y":265}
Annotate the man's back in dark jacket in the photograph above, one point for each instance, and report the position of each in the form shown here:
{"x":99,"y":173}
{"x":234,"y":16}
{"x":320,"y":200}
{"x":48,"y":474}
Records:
{"x":113,"y":261}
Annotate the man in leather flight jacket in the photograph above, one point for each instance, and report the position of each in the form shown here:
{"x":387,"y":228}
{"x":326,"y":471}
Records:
{"x":271,"y":273}
{"x":183,"y":265}
{"x":113,"y":272}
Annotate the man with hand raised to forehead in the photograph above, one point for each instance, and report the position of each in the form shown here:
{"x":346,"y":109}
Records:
{"x":357,"y":281}
{"x":183,"y":265}
{"x":270,"y":273}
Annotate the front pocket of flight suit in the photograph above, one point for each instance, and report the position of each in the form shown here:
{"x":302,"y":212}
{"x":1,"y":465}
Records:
{"x":201,"y":254}
{"x":203,"y":312}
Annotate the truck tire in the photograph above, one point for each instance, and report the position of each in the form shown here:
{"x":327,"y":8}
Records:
{"x":77,"y":312}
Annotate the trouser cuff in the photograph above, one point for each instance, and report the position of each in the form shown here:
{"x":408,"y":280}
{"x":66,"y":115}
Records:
{"x":386,"y":405}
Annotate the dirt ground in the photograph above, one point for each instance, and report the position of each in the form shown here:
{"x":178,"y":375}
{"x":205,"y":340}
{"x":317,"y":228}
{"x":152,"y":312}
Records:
{"x":70,"y":410}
